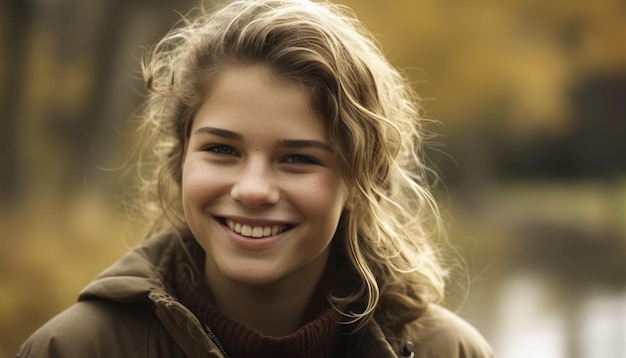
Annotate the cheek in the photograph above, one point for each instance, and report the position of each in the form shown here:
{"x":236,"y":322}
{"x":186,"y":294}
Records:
{"x":198,"y":184}
{"x":325,"y":196}
{"x":187,"y":183}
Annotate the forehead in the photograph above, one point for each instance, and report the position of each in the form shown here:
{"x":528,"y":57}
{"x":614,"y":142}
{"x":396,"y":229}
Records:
{"x":253,"y":96}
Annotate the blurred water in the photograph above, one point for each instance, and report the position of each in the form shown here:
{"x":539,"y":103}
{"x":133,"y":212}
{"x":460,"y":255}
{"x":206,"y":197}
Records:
{"x":528,"y":322}
{"x":553,"y":277}
{"x":532,"y":315}
{"x":603,"y":323}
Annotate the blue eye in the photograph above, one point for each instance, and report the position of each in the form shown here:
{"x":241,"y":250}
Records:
{"x":300,"y":160}
{"x":221,"y":150}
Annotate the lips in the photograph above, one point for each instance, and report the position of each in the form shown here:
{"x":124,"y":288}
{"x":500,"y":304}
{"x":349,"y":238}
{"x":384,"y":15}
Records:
{"x":255,"y":231}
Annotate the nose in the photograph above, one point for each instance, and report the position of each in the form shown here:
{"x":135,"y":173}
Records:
{"x":255,"y":186}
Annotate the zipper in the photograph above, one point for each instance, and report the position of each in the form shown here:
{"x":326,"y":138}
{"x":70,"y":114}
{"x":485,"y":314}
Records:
{"x":217,"y":342}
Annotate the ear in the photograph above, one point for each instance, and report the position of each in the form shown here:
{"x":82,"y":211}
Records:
{"x":347,"y":207}
{"x":341,"y":224}
{"x":348,"y":198}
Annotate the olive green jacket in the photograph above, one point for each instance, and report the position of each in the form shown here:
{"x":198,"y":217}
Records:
{"x":130,"y":311}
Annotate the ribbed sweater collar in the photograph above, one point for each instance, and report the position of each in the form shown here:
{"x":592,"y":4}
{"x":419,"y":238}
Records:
{"x":316,"y":338}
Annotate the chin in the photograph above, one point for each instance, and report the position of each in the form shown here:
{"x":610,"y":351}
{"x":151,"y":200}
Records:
{"x":250,"y":277}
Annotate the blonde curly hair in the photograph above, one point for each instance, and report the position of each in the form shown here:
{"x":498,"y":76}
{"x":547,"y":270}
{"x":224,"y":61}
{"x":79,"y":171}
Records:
{"x":372,"y":116}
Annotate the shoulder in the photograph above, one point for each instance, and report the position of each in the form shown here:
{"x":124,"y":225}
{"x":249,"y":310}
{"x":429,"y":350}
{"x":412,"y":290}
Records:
{"x":441,"y":333}
{"x":98,"y":328}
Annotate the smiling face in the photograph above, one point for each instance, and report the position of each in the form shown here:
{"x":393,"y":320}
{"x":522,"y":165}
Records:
{"x":262,"y":188}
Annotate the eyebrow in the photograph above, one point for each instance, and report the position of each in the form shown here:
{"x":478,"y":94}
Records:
{"x":283,"y":143}
{"x":305,"y":143}
{"x":219,"y":132}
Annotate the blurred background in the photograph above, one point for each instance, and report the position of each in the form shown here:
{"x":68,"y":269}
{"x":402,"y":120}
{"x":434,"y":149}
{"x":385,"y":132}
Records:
{"x":531,"y":96}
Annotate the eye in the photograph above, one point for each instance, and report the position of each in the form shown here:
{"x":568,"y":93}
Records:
{"x":300,"y":160}
{"x":221,"y":150}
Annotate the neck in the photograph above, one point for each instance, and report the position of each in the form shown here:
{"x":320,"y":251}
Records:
{"x":275,"y":309}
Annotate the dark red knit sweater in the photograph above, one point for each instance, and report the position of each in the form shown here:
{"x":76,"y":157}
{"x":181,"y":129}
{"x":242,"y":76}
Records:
{"x":318,"y":337}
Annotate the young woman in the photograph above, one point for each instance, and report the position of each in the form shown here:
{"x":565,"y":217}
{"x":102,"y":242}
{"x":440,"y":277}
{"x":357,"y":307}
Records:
{"x":295,"y":216}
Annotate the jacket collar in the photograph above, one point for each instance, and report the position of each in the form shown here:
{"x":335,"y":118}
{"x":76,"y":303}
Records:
{"x":143,"y":275}
{"x":139,"y":272}
{"x":375,"y":344}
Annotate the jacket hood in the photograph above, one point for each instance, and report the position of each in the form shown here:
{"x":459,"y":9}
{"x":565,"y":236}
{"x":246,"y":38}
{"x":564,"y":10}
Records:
{"x":143,"y":275}
{"x":136,"y":274}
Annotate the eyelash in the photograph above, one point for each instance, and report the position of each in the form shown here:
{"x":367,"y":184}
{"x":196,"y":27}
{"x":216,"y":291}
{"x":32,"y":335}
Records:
{"x":300,"y":159}
{"x":221,"y":150}
{"x":296,"y":159}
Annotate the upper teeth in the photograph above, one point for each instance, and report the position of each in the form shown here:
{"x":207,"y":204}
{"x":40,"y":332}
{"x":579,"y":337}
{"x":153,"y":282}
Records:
{"x":255,"y":231}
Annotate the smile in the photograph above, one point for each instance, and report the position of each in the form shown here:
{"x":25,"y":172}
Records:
{"x":255,"y":231}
